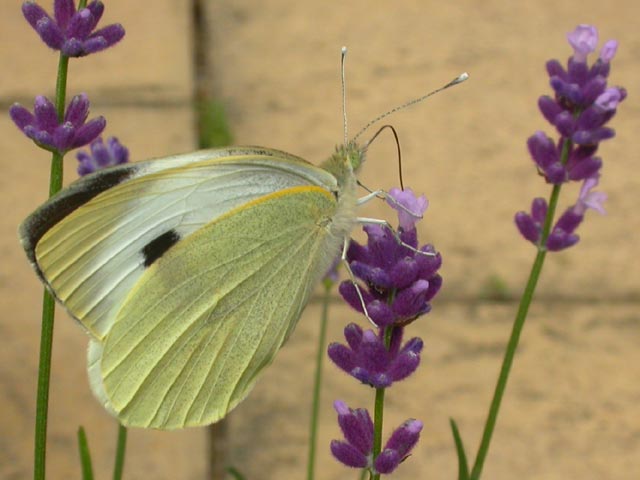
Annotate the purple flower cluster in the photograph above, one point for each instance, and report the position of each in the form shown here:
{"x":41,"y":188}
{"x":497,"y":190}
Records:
{"x":71,"y":31}
{"x":102,"y":155}
{"x":357,"y":450}
{"x":581,"y":107}
{"x":44,"y":128}
{"x":367,"y":359}
{"x":401,"y":279}
{"x":562,"y":235}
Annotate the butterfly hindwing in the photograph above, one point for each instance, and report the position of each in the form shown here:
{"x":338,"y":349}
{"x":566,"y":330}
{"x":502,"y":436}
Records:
{"x":210,"y":313}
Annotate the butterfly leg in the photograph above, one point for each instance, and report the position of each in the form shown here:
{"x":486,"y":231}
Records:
{"x":352,"y":278}
{"x":384,"y":195}
{"x":384,"y":223}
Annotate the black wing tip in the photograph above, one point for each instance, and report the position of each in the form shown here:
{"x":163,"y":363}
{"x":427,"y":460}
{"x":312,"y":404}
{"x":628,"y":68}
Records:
{"x":68,"y":200}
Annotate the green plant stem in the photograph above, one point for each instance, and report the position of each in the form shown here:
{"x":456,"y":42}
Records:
{"x":378,"y":417}
{"x":518,"y":324}
{"x":85,"y":456}
{"x":317,"y":383}
{"x":525,"y":301}
{"x":121,"y":448}
{"x":378,"y":412}
{"x":48,"y":303}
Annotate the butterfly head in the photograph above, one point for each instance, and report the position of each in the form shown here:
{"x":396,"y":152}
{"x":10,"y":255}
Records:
{"x":345,"y":163}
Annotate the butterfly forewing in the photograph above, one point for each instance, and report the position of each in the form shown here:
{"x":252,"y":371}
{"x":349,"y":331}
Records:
{"x":92,"y":257}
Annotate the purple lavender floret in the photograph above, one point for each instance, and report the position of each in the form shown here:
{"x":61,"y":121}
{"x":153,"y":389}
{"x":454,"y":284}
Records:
{"x":366,"y":358}
{"x":357,"y":428}
{"x":102,"y":155}
{"x":45,"y":130}
{"x":562,"y":234}
{"x":71,"y":31}
{"x":356,"y":450}
{"x":398,"y":447}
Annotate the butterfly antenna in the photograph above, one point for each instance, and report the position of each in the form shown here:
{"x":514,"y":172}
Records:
{"x":343,"y":56}
{"x":459,"y":79}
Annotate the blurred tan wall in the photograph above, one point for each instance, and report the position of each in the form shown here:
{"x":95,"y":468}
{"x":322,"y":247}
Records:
{"x":571,"y":409}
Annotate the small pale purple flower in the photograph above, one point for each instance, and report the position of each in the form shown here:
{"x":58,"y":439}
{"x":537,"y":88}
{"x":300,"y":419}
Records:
{"x":366,"y":358}
{"x":71,"y":31}
{"x":609,"y":99}
{"x":398,"y":447}
{"x":608,"y":51}
{"x":584,"y":40}
{"x":102,"y":155}
{"x":562,"y":235}
{"x":409,"y":207}
{"x":588,"y":199}
{"x":45,"y":130}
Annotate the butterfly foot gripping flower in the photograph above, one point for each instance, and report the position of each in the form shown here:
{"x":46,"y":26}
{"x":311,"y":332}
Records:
{"x":43,"y":127}
{"x":71,"y":31}
{"x":401,"y":278}
{"x":357,"y":449}
{"x":102,"y":155}
{"x":579,"y":110}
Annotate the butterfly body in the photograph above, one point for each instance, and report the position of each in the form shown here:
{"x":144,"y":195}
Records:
{"x":190,"y":272}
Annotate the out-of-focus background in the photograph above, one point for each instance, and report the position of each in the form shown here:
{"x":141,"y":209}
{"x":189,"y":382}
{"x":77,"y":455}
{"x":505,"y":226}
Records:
{"x":572,"y":405}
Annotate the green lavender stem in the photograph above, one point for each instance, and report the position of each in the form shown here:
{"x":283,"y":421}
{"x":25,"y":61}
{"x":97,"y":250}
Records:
{"x":378,"y":412}
{"x":518,"y":324}
{"x":120,"y":451}
{"x":48,"y":303}
{"x":317,"y":383}
{"x":378,"y":417}
{"x":85,"y":456}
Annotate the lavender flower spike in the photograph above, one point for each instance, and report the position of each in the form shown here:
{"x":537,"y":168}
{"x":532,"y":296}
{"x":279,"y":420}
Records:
{"x":46,"y":131}
{"x":580,"y":109}
{"x":102,"y":155}
{"x":71,"y":31}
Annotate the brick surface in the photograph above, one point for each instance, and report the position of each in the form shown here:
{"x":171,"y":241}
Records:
{"x":571,"y":407}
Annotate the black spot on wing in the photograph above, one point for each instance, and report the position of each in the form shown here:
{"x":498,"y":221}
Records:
{"x":156,"y":247}
{"x":67,"y":201}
